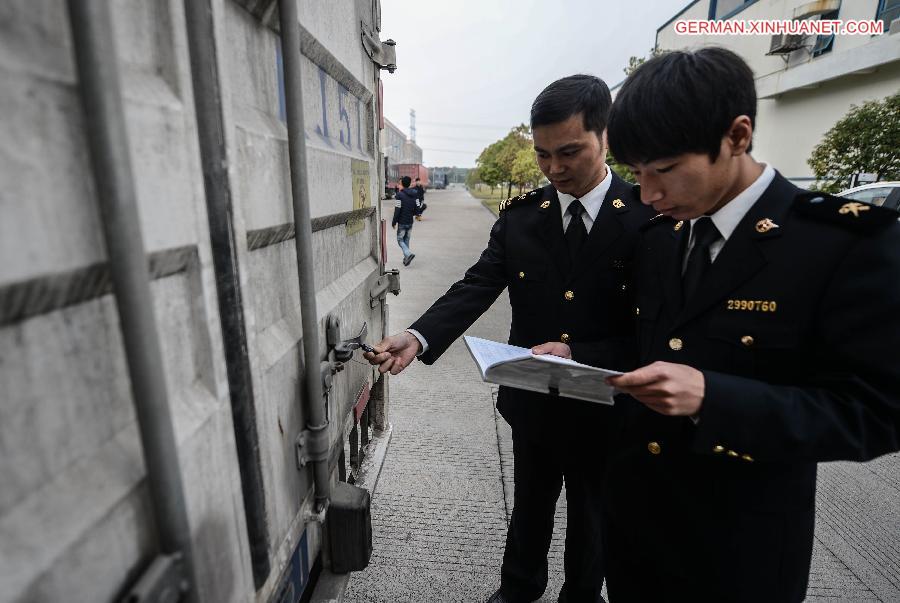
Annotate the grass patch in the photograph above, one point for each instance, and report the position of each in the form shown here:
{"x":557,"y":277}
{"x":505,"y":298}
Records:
{"x":493,"y":205}
{"x":490,"y":201}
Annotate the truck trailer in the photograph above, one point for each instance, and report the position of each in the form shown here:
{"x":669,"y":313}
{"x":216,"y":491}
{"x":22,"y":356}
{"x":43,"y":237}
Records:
{"x":397,"y":171}
{"x":192,"y":256}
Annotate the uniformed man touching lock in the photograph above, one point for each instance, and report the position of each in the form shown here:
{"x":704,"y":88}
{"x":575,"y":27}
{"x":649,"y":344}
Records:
{"x":768,"y":327}
{"x":563,"y":252}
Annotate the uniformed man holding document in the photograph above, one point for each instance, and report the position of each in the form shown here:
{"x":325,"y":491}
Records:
{"x":564,"y":252}
{"x":769,"y":329}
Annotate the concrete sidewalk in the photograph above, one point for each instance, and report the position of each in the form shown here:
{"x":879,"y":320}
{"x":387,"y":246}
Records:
{"x":439,"y":512}
{"x":443,"y":499}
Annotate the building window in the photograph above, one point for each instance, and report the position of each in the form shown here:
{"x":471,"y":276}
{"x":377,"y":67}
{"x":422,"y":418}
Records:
{"x":825,"y":44}
{"x":888,"y":10}
{"x":723,"y":9}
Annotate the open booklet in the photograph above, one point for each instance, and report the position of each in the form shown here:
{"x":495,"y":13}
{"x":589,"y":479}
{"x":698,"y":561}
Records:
{"x":517,"y":367}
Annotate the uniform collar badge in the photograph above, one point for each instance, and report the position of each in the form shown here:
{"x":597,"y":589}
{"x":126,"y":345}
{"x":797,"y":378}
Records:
{"x":853,"y":208}
{"x":678,"y":225}
{"x":545,"y":205}
{"x":765,"y":225}
{"x":617,"y":203}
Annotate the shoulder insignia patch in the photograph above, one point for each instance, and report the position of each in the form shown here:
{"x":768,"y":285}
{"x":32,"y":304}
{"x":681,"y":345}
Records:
{"x":657,"y":219}
{"x":520,"y":200}
{"x":855,"y":215}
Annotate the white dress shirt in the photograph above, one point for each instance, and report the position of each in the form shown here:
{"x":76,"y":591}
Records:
{"x":592,"y":202}
{"x":730,"y":215}
{"x":726,"y":220}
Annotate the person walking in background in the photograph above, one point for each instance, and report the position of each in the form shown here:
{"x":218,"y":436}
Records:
{"x":420,"y":195}
{"x":406,"y":208}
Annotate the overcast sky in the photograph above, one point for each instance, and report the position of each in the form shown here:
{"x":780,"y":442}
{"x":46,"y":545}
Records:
{"x":471,"y":68}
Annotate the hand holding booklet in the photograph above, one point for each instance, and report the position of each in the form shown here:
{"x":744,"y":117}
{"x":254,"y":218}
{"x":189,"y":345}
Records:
{"x":517,"y":367}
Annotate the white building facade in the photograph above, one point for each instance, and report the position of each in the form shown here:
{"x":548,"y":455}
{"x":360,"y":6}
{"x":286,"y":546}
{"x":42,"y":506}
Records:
{"x":805,"y":84}
{"x":397,"y":147}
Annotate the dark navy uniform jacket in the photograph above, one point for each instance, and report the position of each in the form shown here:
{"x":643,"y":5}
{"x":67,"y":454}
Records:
{"x":551,"y":300}
{"x":796,"y":328}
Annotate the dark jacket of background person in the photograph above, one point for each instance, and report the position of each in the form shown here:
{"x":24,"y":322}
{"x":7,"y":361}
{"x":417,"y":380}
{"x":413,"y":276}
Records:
{"x":550,"y":300}
{"x":407,"y":208}
{"x":796,"y":329}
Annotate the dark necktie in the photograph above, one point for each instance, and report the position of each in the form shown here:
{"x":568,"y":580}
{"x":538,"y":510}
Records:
{"x":576,"y":233}
{"x":705,"y":234}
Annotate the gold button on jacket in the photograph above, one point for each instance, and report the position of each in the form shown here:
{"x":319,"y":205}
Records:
{"x":564,"y":338}
{"x":747,"y":340}
{"x":675,"y":344}
{"x":521,"y":275}
{"x":654,"y":447}
{"x":569,"y":295}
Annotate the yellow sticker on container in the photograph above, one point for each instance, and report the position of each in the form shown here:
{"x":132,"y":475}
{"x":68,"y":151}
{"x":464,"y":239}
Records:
{"x":362,"y":193}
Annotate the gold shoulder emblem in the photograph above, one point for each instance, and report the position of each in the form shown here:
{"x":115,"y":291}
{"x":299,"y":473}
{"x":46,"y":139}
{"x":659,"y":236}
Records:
{"x":617,"y":203}
{"x":765,"y":225}
{"x":853,"y":207}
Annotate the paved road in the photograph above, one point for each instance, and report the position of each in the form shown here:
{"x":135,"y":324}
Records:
{"x":443,"y":499}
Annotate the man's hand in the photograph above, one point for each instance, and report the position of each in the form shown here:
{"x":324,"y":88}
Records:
{"x":394,"y":353}
{"x":669,"y":389}
{"x":553,"y":347}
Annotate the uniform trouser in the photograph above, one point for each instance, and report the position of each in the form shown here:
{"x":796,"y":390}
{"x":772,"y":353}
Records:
{"x":539,"y":470}
{"x":714,"y":556}
{"x":403,"y":231}
{"x":634,"y":578}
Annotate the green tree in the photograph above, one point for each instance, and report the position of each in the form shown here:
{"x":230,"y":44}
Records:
{"x":867,"y":139}
{"x":525,"y":171}
{"x":635,"y":62}
{"x":473,"y":177}
{"x":620,"y":169}
{"x":518,"y":138}
{"x":489,"y":169}
{"x":496,"y":161}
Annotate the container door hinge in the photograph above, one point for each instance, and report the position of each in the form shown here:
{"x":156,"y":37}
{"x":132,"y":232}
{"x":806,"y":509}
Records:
{"x":383,"y":53}
{"x":387,"y":282}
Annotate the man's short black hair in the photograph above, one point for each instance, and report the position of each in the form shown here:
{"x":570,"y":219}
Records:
{"x":405,"y":181}
{"x":569,"y":96}
{"x":680,"y":102}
